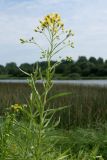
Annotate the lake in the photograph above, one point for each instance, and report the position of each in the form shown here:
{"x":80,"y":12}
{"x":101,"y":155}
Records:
{"x":80,"y":82}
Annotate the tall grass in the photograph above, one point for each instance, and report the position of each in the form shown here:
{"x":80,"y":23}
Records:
{"x":88,"y":104}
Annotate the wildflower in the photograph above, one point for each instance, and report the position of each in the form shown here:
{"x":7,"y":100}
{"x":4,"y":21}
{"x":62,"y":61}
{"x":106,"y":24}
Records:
{"x":16,"y":107}
{"x":51,"y":21}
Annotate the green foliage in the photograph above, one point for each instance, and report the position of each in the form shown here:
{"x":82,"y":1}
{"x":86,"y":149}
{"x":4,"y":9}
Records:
{"x":2,"y":69}
{"x":88,"y":68}
{"x":12,"y":69}
{"x":75,"y":76}
{"x":93,"y":60}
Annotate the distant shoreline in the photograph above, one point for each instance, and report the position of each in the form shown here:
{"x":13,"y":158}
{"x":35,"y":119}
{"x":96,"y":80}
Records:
{"x":56,"y":78}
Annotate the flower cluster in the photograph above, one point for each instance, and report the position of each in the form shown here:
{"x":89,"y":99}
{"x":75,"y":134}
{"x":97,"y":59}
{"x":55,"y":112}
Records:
{"x":16,"y":107}
{"x":51,"y":21}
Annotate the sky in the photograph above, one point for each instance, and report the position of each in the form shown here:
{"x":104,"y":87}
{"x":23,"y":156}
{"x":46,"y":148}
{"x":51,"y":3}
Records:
{"x":18,"y":18}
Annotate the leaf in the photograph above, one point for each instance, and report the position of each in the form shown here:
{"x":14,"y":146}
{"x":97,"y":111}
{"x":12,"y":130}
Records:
{"x":57,"y":122}
{"x":48,"y":121}
{"x":57,"y":109}
{"x":63,"y":155}
{"x":59,"y":95}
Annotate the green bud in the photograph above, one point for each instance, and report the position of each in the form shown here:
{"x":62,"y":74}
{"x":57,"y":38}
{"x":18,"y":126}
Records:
{"x":22,"y":41}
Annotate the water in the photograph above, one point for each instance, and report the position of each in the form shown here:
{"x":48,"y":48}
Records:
{"x":77,"y":82}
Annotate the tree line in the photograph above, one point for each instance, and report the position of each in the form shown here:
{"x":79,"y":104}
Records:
{"x":83,"y":67}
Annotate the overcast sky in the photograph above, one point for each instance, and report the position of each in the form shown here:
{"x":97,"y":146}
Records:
{"x":18,"y":18}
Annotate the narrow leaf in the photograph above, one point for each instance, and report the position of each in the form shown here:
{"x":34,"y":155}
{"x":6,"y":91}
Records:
{"x":59,"y":95}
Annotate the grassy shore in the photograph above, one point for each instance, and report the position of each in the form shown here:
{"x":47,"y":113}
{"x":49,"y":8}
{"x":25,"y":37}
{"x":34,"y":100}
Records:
{"x":83,"y":126}
{"x":58,"y":77}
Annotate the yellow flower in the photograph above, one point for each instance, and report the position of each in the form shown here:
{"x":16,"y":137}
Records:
{"x":42,"y":24}
{"x":51,"y":21}
{"x":55,"y":30}
{"x":57,"y":17}
{"x":16,"y":107}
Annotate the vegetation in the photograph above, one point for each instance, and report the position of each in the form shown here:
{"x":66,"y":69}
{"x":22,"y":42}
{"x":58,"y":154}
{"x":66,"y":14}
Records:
{"x":87,"y":110}
{"x":31,"y":130}
{"x":87,"y":104}
{"x":83,"y":68}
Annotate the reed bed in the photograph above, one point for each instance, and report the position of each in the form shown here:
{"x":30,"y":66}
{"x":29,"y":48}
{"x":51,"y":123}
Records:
{"x":87,"y":104}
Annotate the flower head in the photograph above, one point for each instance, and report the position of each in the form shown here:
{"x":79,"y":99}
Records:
{"x":51,"y":21}
{"x":16,"y":107}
